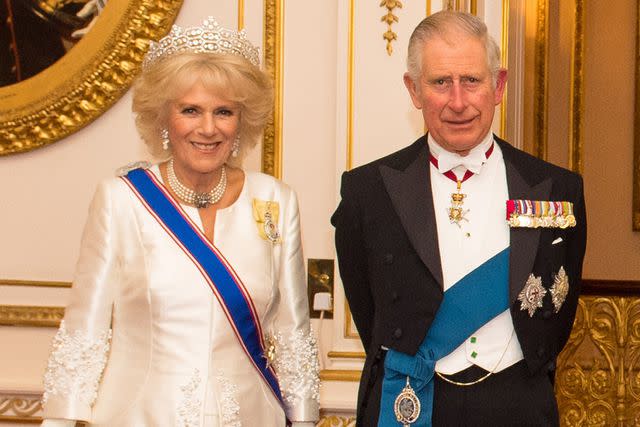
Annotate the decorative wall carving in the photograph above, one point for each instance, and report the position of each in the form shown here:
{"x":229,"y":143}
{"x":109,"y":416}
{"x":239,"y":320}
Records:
{"x":389,"y":18}
{"x":273,"y":64}
{"x":23,"y":315}
{"x":576,"y":112}
{"x":598,"y":378}
{"x":336,"y":421}
{"x":20,"y":408}
{"x":541,"y":81}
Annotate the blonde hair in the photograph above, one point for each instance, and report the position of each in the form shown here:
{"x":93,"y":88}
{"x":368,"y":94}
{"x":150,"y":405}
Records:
{"x":229,"y":76}
{"x":440,"y":24}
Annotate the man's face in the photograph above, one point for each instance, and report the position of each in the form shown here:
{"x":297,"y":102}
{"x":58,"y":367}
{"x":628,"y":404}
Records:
{"x":455,"y":91}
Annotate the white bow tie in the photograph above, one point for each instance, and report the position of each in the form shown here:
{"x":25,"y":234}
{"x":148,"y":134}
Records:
{"x":472,"y":161}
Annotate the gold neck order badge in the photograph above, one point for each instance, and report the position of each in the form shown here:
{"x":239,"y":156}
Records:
{"x":456,"y":211}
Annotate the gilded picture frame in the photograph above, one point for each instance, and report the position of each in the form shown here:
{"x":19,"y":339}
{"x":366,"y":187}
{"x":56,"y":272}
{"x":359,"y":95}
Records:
{"x":636,"y":133}
{"x":87,"y":80}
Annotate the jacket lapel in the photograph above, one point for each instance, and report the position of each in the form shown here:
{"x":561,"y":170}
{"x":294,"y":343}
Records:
{"x":523,"y":241}
{"x":410,"y":193}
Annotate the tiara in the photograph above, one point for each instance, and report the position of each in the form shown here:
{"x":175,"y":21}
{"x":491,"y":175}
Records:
{"x":208,"y":38}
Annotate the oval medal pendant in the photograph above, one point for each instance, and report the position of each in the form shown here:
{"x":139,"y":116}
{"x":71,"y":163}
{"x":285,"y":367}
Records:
{"x":407,"y":406}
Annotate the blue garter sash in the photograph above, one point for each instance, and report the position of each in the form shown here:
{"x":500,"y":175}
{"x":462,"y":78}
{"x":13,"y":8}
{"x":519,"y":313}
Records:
{"x":470,"y":303}
{"x":216,"y":270}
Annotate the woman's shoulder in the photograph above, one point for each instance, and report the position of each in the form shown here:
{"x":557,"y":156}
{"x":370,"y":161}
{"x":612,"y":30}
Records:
{"x":262,"y":184}
{"x":114,"y":184}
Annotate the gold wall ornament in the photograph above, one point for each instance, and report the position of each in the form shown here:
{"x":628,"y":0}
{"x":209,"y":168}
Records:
{"x":541,"y":89}
{"x":576,"y":97}
{"x":636,"y":133}
{"x":598,"y":376}
{"x":389,"y":18}
{"x":344,"y":375}
{"x":20,"y":408}
{"x":336,"y":421}
{"x":87,"y":80}
{"x":40,"y":283}
{"x":274,"y":65}
{"x":23,"y":315}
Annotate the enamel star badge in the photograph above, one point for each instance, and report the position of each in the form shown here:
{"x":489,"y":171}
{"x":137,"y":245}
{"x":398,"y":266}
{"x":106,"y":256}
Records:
{"x":531,"y":295}
{"x":560,"y":289}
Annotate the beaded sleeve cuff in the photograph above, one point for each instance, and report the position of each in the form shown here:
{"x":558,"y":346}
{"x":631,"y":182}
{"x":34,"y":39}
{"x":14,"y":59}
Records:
{"x":75,"y":365}
{"x":296,"y":363}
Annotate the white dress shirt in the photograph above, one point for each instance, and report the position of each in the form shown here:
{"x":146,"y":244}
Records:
{"x":465,"y":246}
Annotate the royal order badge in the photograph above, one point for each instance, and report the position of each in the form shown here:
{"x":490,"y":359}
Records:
{"x":531,"y":295}
{"x":407,"y":406}
{"x":270,"y":228}
{"x":560,"y":289}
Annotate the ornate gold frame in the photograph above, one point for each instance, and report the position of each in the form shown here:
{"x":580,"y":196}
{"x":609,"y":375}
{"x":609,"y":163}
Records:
{"x":274,"y":64}
{"x":87,"y":80}
{"x":576,"y":97}
{"x":541,"y":88}
{"x":636,"y":134}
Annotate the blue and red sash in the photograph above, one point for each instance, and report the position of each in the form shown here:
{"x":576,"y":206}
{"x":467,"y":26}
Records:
{"x":216,"y":270}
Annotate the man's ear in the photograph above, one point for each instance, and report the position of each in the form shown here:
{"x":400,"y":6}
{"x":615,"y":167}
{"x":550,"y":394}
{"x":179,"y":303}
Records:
{"x":413,"y":91}
{"x":501,"y":84}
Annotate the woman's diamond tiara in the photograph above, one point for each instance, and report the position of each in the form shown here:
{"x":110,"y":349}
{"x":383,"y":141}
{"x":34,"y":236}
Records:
{"x":210,"y":37}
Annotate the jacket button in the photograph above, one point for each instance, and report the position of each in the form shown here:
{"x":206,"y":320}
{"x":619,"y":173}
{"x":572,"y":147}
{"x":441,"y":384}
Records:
{"x":397,"y":333}
{"x":546,"y":314}
{"x":540,"y":352}
{"x":388,"y":258}
{"x":394,"y":296}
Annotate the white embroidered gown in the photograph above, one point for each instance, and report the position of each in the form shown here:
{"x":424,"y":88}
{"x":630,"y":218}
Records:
{"x":141,"y":310}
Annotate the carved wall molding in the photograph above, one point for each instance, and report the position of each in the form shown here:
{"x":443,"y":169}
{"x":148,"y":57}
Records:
{"x":336,"y":421}
{"x":390,"y":18}
{"x":20,"y":407}
{"x":40,"y":283}
{"x":598,"y":376}
{"x":274,"y":65}
{"x":576,"y":97}
{"x":541,"y":88}
{"x":24,"y":315}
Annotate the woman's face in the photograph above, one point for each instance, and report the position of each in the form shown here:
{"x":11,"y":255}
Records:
{"x":202,"y":128}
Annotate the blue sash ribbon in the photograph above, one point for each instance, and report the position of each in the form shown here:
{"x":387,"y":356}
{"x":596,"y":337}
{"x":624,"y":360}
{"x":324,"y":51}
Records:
{"x":220,"y":276}
{"x":469,"y":304}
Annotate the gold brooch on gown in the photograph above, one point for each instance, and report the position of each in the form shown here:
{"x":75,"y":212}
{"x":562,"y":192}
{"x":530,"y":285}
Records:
{"x":532,"y":294}
{"x":560,"y":289}
{"x":266,"y":215}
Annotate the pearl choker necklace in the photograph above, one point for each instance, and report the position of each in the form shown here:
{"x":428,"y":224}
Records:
{"x":199,"y":200}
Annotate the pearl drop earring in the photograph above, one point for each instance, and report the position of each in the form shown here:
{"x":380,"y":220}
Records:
{"x":235,"y":148}
{"x":164,"y":135}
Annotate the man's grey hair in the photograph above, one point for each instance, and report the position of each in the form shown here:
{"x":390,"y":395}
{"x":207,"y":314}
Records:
{"x":441,"y":24}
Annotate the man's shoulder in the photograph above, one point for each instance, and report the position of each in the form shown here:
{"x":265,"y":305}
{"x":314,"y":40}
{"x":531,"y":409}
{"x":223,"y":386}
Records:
{"x":530,"y":164}
{"x":397,"y":160}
